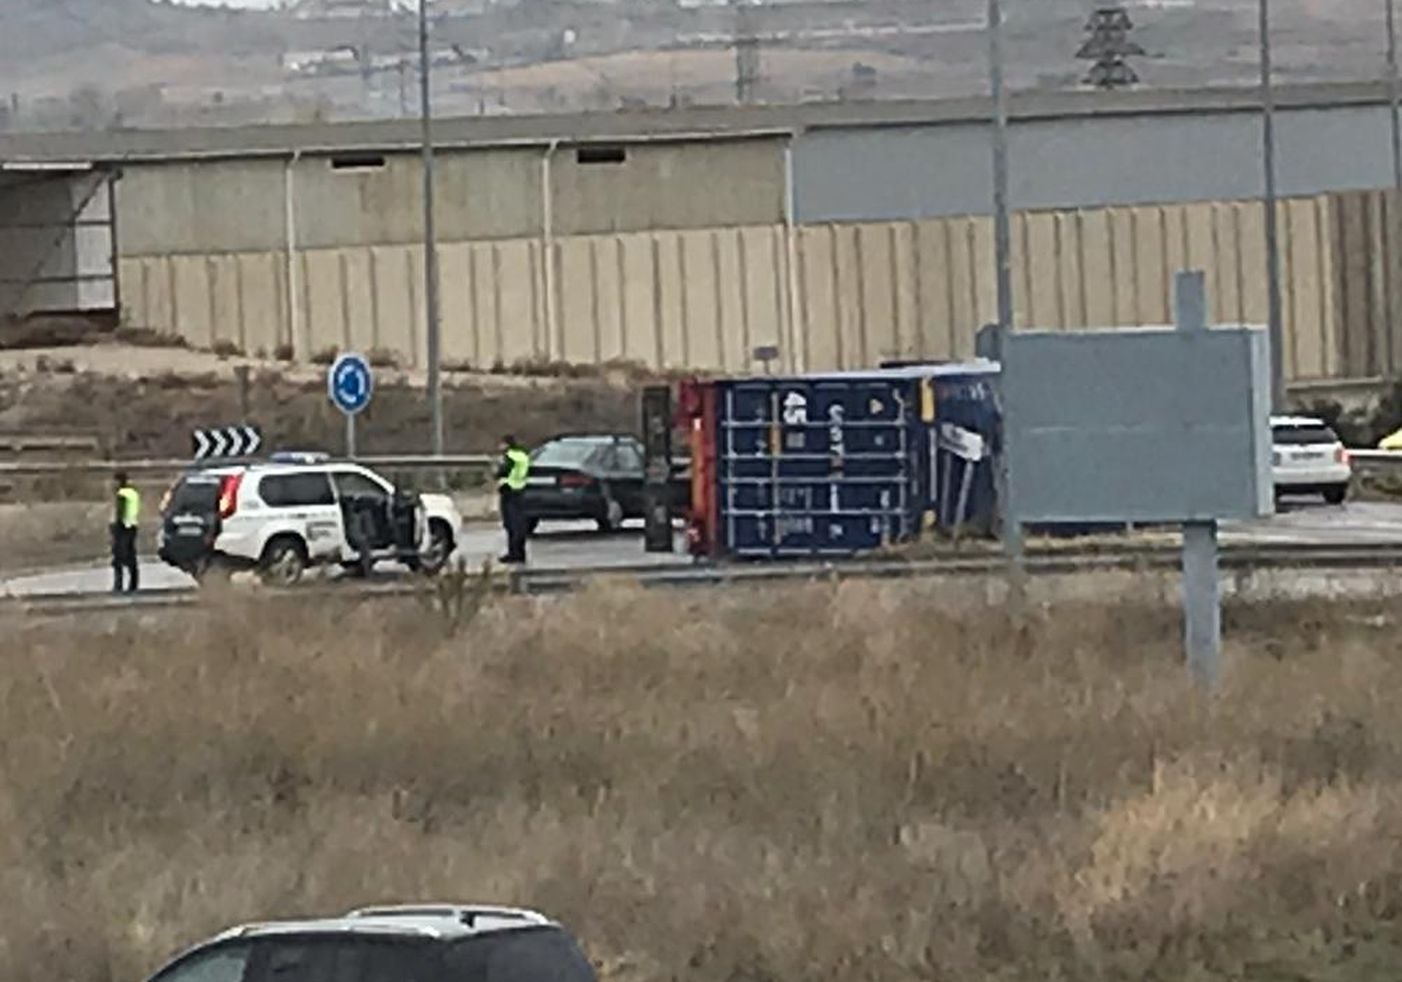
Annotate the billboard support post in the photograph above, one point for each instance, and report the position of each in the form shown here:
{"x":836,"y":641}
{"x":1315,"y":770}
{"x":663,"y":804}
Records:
{"x":1202,"y":601}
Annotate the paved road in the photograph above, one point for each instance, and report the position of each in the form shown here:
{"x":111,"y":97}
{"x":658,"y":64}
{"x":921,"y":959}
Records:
{"x":573,"y":546}
{"x":1306,"y":523}
{"x":563,"y":545}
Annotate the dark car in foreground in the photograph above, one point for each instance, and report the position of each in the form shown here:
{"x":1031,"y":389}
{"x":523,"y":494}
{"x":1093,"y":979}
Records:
{"x":431,"y":943}
{"x":596,"y":478}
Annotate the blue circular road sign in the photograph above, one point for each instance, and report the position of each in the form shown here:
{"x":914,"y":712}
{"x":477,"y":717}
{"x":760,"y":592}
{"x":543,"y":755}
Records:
{"x":350,"y":383}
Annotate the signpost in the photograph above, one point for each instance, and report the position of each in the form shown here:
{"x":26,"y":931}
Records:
{"x":1145,"y":425}
{"x":350,"y":383}
{"x":971,"y":448}
{"x":657,"y":475}
{"x":226,"y":441}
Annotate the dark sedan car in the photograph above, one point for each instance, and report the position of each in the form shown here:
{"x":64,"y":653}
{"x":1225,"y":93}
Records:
{"x":598,"y":478}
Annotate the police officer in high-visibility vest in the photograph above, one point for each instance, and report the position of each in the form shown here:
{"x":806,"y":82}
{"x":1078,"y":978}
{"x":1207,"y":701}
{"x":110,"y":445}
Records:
{"x":124,"y":525}
{"x":512,"y":472}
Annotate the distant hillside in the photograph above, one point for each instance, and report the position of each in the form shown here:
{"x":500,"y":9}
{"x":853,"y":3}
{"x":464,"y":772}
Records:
{"x":100,"y":63}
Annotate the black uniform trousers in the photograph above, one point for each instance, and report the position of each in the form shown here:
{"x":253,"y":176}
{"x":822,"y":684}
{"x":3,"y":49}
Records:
{"x":514,"y":522}
{"x":124,"y":558}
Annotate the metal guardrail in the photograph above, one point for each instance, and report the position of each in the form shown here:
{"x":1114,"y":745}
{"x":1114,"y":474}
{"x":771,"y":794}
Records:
{"x":21,"y":442}
{"x":1380,"y":458}
{"x":1238,"y":559}
{"x":175,"y":465}
{"x":171,"y":465}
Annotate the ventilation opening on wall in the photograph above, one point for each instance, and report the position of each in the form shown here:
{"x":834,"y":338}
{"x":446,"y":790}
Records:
{"x":601,"y":154}
{"x":358,"y":161}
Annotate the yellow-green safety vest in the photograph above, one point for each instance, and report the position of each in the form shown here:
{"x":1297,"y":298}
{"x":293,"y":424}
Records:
{"x":129,"y":506}
{"x":515,"y":479}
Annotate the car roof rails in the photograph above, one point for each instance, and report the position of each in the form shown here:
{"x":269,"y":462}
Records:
{"x":466,"y":913}
{"x":591,"y":437}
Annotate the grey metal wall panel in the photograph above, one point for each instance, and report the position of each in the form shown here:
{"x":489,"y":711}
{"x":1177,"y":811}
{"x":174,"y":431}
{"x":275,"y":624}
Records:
{"x":667,"y":186}
{"x":1135,"y":425}
{"x":926,"y":172}
{"x":56,"y":243}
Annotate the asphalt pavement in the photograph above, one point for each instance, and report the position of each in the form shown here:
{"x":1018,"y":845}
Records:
{"x":567,"y":546}
{"x":557,"y":546}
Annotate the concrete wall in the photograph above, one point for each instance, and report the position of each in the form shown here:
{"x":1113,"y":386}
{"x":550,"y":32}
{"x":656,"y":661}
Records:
{"x":677,"y":254}
{"x":852,"y":295}
{"x":930,"y":171}
{"x":1366,"y":302}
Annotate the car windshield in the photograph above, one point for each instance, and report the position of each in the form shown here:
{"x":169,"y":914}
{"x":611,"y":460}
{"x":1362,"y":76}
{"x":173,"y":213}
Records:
{"x":1303,"y":435}
{"x":529,"y":955}
{"x":197,"y":493}
{"x":565,"y":453}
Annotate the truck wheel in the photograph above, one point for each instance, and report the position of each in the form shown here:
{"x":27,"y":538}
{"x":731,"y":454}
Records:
{"x":284,"y":561}
{"x":1336,"y":494}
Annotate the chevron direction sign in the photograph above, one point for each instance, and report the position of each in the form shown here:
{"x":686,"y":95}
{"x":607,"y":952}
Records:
{"x":227,"y":441}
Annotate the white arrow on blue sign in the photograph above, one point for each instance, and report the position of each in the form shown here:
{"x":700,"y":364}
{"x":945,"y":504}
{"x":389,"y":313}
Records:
{"x":227,"y":441}
{"x":350,"y":383}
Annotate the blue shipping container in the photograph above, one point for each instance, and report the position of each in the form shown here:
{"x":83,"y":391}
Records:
{"x":832,"y":465}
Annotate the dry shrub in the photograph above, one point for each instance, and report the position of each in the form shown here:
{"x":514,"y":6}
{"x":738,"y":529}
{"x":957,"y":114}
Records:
{"x":153,"y":416}
{"x":384,"y":358}
{"x":840,"y":781}
{"x":50,"y":330}
{"x":226,"y":348}
{"x":147,"y":337}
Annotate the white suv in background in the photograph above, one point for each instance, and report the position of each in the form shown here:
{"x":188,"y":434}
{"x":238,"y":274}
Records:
{"x":301,"y":510}
{"x":429,"y":943}
{"x":1307,"y":457}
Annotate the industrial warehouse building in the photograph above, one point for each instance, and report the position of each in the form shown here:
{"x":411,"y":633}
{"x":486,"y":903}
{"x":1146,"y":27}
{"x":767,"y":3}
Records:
{"x":844,"y":234}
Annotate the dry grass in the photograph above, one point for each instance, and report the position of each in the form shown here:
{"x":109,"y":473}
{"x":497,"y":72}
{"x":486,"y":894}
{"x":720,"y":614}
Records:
{"x":835,"y":782}
{"x":64,"y":519}
{"x":52,"y":534}
{"x":153,"y":415}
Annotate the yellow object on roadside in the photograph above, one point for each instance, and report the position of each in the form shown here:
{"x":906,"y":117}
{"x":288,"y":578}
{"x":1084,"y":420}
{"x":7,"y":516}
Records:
{"x":1393,"y":441}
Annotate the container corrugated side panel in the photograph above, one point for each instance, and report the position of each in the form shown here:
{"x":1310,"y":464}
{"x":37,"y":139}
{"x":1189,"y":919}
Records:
{"x":817,"y":466}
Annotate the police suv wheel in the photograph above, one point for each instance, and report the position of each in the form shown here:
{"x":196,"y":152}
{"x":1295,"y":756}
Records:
{"x":434,"y":556}
{"x":284,"y":562}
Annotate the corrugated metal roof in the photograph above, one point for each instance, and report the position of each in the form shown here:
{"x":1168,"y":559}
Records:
{"x":668,"y":125}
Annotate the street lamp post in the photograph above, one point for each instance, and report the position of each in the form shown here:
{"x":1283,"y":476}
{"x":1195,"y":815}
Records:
{"x":1393,"y":95}
{"x":435,"y":391}
{"x":1274,"y":324}
{"x":1395,"y":206}
{"x":1002,"y":231}
{"x":1002,"y":246}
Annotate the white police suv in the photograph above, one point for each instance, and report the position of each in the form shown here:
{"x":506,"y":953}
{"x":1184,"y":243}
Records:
{"x":301,"y":510}
{"x":430,"y":943}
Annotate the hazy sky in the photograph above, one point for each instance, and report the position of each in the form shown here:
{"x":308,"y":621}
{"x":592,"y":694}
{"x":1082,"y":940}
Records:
{"x":262,"y":3}
{"x":230,"y":3}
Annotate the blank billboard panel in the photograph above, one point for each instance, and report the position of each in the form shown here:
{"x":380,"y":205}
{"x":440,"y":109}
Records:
{"x":1138,"y":425}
